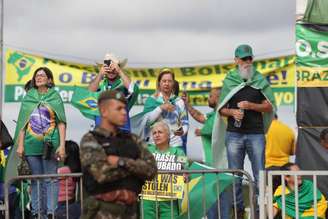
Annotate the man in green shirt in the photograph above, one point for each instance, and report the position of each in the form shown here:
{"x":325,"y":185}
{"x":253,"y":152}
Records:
{"x":207,"y":119}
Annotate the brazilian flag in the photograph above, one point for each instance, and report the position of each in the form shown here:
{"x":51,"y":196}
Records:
{"x":200,"y":186}
{"x":23,"y":64}
{"x":305,"y":201}
{"x":30,"y":102}
{"x":86,"y":102}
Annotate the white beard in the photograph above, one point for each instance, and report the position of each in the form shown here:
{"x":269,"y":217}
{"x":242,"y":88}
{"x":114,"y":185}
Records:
{"x":246,"y":71}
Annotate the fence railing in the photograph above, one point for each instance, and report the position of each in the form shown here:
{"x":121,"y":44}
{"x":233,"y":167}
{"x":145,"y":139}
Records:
{"x":19,"y":180}
{"x":245,"y":177}
{"x":266,"y":191}
{"x":240,"y":174}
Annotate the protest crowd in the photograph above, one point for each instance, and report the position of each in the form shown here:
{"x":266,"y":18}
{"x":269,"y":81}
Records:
{"x":121,"y":158}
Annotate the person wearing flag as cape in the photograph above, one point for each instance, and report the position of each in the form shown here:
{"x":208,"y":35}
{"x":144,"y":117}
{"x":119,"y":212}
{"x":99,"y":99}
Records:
{"x":112,"y":77}
{"x":247,"y":103}
{"x":40,"y":138}
{"x":163,"y":105}
{"x":306,"y":197}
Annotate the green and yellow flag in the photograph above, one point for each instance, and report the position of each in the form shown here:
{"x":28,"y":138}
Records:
{"x":30,"y":102}
{"x":86,"y":101}
{"x":305,"y":201}
{"x":208,"y":186}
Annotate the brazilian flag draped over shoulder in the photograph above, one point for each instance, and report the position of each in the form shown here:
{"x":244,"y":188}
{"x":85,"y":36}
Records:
{"x":305,"y":201}
{"x":31,"y":101}
{"x":200,"y":186}
{"x":231,"y":85}
{"x":86,"y":100}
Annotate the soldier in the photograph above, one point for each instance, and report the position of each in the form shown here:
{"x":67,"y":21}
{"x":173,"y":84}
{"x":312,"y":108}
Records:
{"x":115,"y":164}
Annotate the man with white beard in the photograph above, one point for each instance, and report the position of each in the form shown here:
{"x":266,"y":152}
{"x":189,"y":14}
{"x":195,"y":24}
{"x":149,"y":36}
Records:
{"x":247,"y":102}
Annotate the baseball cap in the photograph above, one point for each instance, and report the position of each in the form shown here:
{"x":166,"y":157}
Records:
{"x":243,"y":51}
{"x":112,"y":94}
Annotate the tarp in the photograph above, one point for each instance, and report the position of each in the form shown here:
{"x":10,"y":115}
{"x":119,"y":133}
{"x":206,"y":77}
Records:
{"x":197,"y":80}
{"x":312,"y":98}
{"x":310,"y":155}
{"x":312,"y":107}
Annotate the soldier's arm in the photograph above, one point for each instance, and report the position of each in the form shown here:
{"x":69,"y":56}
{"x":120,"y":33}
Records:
{"x":94,"y":160}
{"x":145,"y":166}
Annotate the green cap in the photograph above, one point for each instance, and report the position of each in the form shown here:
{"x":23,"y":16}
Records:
{"x":243,"y":51}
{"x":111,"y":94}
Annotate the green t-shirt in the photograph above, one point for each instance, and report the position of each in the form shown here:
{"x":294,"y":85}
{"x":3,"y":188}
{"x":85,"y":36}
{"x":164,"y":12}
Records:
{"x":206,"y":134}
{"x":41,"y":127}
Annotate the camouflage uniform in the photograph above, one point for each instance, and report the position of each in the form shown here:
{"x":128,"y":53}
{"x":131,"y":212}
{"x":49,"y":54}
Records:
{"x":94,"y":160}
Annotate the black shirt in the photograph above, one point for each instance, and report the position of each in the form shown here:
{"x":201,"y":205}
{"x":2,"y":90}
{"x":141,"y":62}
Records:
{"x":252,"y":122}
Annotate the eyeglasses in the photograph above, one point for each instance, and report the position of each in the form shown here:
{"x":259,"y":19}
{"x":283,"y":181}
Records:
{"x":41,"y":75}
{"x":247,"y":58}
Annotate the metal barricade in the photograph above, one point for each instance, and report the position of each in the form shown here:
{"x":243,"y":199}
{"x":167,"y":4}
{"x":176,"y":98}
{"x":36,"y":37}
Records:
{"x":39,"y":180}
{"x":235,"y":173}
{"x":266,"y":191}
{"x":245,"y":176}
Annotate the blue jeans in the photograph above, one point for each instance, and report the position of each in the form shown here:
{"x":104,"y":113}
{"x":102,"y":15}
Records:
{"x":238,"y":145}
{"x":44,"y":200}
{"x":74,"y":210}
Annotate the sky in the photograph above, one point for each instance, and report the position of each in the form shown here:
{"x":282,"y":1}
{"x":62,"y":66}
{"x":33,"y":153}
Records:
{"x":150,"y":32}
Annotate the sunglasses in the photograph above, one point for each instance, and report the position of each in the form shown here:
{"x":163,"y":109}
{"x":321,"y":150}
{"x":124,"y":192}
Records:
{"x":247,"y":58}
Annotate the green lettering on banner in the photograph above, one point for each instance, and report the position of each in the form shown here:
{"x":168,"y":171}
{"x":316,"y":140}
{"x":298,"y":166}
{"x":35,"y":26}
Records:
{"x":188,"y":71}
{"x":15,"y":93}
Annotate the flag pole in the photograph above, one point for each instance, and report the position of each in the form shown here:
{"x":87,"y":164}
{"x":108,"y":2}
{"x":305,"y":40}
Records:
{"x":1,"y":56}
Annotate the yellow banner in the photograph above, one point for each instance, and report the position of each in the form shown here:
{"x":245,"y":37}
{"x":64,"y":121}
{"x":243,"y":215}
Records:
{"x":312,"y":76}
{"x":280,"y":72}
{"x":166,"y":186}
{"x":197,"y":80}
{"x":20,"y":67}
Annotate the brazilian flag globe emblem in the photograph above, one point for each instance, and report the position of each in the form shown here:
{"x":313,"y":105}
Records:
{"x":23,"y":64}
{"x":90,"y":103}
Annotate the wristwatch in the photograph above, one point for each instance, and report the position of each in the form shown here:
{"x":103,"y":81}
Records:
{"x":121,"y":162}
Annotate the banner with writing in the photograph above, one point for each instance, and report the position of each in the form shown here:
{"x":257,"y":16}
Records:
{"x":196,"y":80}
{"x":312,"y":56}
{"x":167,"y":186}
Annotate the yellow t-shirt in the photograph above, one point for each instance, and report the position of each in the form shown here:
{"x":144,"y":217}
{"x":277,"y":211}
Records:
{"x":280,"y":144}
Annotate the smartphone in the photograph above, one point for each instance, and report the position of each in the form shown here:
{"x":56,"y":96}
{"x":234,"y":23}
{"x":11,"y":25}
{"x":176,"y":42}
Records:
{"x":107,"y":62}
{"x":179,"y":129}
